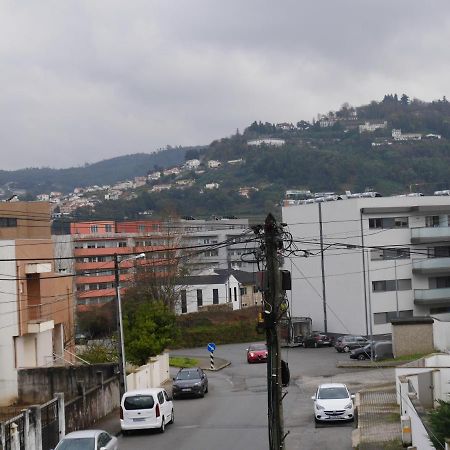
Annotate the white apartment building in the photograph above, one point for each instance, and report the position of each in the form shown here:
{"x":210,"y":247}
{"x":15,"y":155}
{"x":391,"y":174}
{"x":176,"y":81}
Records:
{"x":382,"y":257}
{"x":369,"y":127}
{"x":266,"y":141}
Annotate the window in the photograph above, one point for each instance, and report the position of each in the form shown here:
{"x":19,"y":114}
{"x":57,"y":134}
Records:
{"x":183,"y":301}
{"x":134,"y":402}
{"x":442,"y":282}
{"x":215,"y":296}
{"x":103,"y":440}
{"x":229,"y":294}
{"x":8,"y":222}
{"x":199,"y":297}
{"x":386,"y":317}
{"x":108,"y":228}
{"x":389,"y":253}
{"x":432,"y":221}
{"x":94,"y":228}
{"x":161,"y":398}
{"x":141,"y":228}
{"x":440,"y":310}
{"x":243,"y":291}
{"x":211,"y":253}
{"x":389,"y":285}
{"x":255,"y":289}
{"x":122,"y":244}
{"x":235,"y":294}
{"x":439,"y":252}
{"x":388,"y":222}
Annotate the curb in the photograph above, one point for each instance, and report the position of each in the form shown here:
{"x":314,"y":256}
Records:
{"x":368,"y":365}
{"x":222,"y":366}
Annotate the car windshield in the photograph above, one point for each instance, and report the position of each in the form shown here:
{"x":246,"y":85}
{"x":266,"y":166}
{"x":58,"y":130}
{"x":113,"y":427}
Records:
{"x":332,"y":393}
{"x":77,"y":444}
{"x":138,"y":402}
{"x":257,"y":347}
{"x":188,"y":375}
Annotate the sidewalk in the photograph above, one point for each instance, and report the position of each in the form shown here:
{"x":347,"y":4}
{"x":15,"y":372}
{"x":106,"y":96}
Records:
{"x":378,"y":419}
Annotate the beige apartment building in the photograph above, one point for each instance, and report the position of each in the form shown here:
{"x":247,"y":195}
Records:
{"x":36,"y":303}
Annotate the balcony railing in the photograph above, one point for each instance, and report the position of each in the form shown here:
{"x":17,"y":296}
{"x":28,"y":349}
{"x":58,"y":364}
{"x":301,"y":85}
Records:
{"x":431,"y":265}
{"x":430,"y":234}
{"x":432,"y":297}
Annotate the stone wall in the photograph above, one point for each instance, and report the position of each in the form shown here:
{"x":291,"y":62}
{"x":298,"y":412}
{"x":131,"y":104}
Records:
{"x":412,"y":335}
{"x":37,"y":385}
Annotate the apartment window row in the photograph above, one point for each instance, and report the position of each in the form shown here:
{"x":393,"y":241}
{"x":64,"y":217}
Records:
{"x":439,"y":282}
{"x":94,"y":300}
{"x":94,"y":286}
{"x":207,"y":241}
{"x":392,"y":285}
{"x":440,"y":310}
{"x":211,"y":253}
{"x":386,"y":254}
{"x":8,"y":222}
{"x":98,"y":273}
{"x":111,"y":244}
{"x":386,"y":317}
{"x":437,"y":221}
{"x":92,"y":259}
{"x":388,"y":222}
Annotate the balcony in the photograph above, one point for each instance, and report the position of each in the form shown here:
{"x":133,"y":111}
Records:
{"x":425,"y":235}
{"x":431,"y":265}
{"x":432,"y":297}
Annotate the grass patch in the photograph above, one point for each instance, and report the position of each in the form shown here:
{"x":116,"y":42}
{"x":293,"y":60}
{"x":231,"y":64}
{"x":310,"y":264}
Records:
{"x":407,"y":358}
{"x":181,"y":362}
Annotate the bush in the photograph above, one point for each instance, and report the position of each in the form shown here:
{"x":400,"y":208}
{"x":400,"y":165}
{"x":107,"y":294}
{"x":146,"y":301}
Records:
{"x":439,"y":421}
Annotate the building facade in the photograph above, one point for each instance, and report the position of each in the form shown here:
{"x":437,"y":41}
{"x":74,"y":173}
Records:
{"x":383,"y":258}
{"x":36,"y":301}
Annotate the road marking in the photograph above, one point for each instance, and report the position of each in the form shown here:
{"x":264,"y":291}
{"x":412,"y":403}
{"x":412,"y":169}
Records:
{"x":189,"y":426}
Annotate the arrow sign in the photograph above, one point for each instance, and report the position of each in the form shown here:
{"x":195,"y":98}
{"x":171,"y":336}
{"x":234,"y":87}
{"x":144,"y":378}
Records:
{"x":211,"y":347}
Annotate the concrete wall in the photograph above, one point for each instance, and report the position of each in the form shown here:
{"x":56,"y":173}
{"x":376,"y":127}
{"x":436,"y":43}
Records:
{"x":408,"y":339}
{"x":441,"y":335}
{"x":9,"y":327}
{"x":411,"y":408}
{"x":37,"y":385}
{"x":152,"y":375}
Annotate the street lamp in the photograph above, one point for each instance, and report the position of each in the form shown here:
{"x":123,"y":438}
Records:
{"x":120,"y":343}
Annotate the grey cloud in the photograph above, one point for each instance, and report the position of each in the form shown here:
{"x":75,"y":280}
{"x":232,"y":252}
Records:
{"x":84,"y":80}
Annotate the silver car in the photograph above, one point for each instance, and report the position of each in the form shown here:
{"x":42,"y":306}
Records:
{"x":88,"y":440}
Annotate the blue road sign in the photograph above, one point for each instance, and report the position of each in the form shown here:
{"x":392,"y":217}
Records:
{"x":211,"y":347}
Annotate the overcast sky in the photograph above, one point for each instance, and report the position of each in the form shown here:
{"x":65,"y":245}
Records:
{"x":86,"y":80}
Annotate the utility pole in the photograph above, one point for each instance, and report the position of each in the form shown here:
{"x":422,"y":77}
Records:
{"x":322,"y":263}
{"x":272,"y":314}
{"x":120,"y":343}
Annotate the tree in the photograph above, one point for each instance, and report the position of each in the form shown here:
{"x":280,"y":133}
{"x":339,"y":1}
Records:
{"x":149,"y":327}
{"x":439,"y":420}
{"x":404,"y":100}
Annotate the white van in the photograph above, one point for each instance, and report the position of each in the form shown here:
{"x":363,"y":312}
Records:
{"x":145,"y":409}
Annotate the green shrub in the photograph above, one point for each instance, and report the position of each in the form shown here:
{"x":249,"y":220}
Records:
{"x":439,"y":421}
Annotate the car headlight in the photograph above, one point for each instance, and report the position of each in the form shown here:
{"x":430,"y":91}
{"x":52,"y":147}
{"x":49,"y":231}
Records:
{"x":199,"y":383}
{"x":252,"y":354}
{"x":319,"y":407}
{"x":349,"y":406}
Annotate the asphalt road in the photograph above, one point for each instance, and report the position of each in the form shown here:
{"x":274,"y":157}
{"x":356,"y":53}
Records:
{"x":233,"y":415}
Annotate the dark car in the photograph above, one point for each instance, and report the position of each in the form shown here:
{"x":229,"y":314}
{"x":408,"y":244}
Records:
{"x":322,"y":340}
{"x":190,"y":382}
{"x":257,"y":353}
{"x":380,"y":349}
{"x":349,"y":342}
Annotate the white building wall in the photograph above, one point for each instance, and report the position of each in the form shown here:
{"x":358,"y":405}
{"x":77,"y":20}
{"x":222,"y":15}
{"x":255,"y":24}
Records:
{"x":8,"y":324}
{"x":347,"y":301}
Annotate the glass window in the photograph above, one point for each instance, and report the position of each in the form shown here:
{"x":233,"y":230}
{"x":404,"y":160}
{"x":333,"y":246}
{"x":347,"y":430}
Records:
{"x":440,"y":310}
{"x":183,"y":301}
{"x":243,"y":291}
{"x":389,"y":222}
{"x":161,"y":398}
{"x":432,"y":221}
{"x":199,"y":297}
{"x":108,"y":228}
{"x":8,"y":222}
{"x":94,"y":228}
{"x":215,"y":296}
{"x":389,"y":285}
{"x":77,"y":444}
{"x":332,"y":393}
{"x":103,"y":440}
{"x":134,"y":402}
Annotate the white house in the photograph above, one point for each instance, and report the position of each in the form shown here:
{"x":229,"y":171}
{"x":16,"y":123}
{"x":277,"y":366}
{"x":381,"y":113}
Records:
{"x":192,"y":164}
{"x":212,"y":186}
{"x":371,"y":127}
{"x":383,"y":257}
{"x":267,"y":141}
{"x":399,"y":136}
{"x":206,"y":289}
{"x":154,"y":176}
{"x":213,"y":164}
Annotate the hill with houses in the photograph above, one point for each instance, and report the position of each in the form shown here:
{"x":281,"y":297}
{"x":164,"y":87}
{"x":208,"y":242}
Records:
{"x":393,"y":146}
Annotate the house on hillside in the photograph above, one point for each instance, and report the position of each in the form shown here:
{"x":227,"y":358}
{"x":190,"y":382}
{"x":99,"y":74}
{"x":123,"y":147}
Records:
{"x":206,"y":289}
{"x":369,"y":127}
{"x":274,"y":142}
{"x":191,"y":164}
{"x":399,"y":136}
{"x":214,"y":164}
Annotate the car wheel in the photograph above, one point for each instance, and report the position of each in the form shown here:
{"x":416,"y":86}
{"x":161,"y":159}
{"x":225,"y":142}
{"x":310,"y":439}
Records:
{"x":125,"y":432}
{"x":162,"y":428}
{"x":304,"y":344}
{"x":346,"y":349}
{"x":361,"y":357}
{"x":316,"y":344}
{"x":172,"y":417}
{"x":202,"y":393}
{"x":206,"y":390}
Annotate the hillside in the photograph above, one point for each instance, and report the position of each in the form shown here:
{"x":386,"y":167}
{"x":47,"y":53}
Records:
{"x":330,"y":154}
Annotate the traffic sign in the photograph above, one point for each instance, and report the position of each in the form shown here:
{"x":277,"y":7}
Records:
{"x":211,"y":347}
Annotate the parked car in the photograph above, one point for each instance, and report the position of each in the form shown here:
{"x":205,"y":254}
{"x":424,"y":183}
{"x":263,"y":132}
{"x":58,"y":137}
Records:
{"x":257,"y":353}
{"x":88,"y":440}
{"x":145,"y":409}
{"x":192,"y":381}
{"x":333,"y":401}
{"x":380,"y":349}
{"x":318,"y":340}
{"x":349,"y":342}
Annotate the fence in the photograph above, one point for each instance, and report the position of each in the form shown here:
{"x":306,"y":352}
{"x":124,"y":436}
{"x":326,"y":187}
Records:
{"x":36,"y":428}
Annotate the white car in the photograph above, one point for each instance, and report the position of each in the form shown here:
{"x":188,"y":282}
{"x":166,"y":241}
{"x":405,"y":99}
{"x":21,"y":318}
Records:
{"x":88,"y":440}
{"x":332,"y":402}
{"x":145,"y":409}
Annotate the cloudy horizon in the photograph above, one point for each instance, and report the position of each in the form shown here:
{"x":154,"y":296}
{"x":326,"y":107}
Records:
{"x":86,"y":81}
